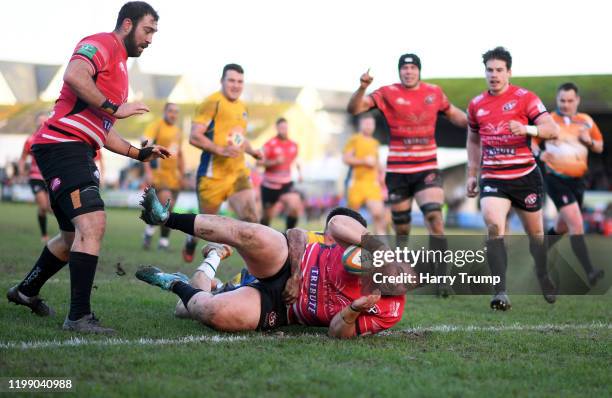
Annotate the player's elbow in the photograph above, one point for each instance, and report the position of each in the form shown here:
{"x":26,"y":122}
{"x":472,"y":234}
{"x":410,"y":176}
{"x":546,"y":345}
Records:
{"x":338,"y":333}
{"x":193,"y":140}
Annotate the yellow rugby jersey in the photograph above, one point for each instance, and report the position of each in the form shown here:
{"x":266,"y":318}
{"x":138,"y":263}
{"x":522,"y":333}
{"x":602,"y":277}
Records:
{"x":362,"y":147}
{"x":171,"y":137}
{"x":226,"y":118}
{"x":315,"y":237}
{"x":567,"y":155}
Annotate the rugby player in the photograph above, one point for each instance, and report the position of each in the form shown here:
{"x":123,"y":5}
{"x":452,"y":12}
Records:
{"x":363,"y":188}
{"x":326,"y":295}
{"x":565,"y":164}
{"x":502,"y":121}
{"x":93,"y":96}
{"x":280,"y":153}
{"x":35,"y":179}
{"x":167,"y":175}
{"x":411,"y":109}
{"x":219,"y":129}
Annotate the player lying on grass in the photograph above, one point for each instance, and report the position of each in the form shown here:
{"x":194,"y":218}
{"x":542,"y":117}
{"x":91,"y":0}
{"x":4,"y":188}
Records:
{"x":322,"y":293}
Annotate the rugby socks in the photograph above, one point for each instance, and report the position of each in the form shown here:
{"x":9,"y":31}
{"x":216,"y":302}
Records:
{"x":185,"y":291}
{"x":46,"y":266}
{"x":165,"y":232}
{"x":538,"y":252}
{"x":182,"y":222}
{"x":42,"y":223}
{"x":291,"y":222}
{"x":497,"y":257}
{"x":552,"y":237}
{"x":580,"y":249}
{"x":210,"y":264}
{"x":439,"y":243}
{"x":82,"y":273}
{"x":149,"y":230}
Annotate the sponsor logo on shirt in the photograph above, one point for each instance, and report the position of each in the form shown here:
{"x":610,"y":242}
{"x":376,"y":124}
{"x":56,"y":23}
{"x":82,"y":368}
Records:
{"x":482,"y":112}
{"x":87,"y":50}
{"x":313,"y":288}
{"x":541,"y":107}
{"x":107,"y":124}
{"x":402,"y":101}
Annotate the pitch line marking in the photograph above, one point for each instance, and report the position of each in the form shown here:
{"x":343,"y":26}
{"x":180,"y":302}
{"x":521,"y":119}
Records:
{"x":79,"y":341}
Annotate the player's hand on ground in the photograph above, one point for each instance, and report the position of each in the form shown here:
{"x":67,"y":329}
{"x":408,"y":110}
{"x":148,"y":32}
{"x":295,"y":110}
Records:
{"x":517,"y":128}
{"x":471,"y":187}
{"x":153,"y":152}
{"x":292,"y":288}
{"x":365,"y":80}
{"x":365,"y":303}
{"x":130,"y":109}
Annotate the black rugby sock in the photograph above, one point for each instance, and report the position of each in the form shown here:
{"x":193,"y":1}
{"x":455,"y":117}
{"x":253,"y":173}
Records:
{"x":182,"y":222}
{"x":497,"y":257}
{"x":82,"y":273}
{"x":42,"y":223}
{"x":552,"y":237}
{"x":46,"y":266}
{"x":185,"y":291}
{"x":580,"y":249}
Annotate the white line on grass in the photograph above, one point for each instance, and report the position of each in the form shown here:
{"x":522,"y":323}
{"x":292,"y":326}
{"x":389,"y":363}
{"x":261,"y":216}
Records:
{"x":78,"y":341}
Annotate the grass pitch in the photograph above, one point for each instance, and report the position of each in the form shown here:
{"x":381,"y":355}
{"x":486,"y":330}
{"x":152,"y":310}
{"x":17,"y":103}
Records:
{"x":452,"y":347}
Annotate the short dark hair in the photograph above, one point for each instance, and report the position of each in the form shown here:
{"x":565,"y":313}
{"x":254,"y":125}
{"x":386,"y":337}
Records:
{"x":345,"y":211}
{"x":498,"y":53}
{"x":281,"y":120}
{"x":567,"y":87}
{"x":366,"y":115}
{"x":168,"y":104}
{"x":135,"y":10}
{"x":234,"y":67}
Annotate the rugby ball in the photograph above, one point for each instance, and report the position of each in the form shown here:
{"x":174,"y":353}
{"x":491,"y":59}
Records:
{"x":351,"y":260}
{"x":236,"y":138}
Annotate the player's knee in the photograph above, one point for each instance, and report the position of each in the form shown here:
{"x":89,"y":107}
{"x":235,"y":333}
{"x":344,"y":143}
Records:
{"x":93,"y":227}
{"x":494,"y":230}
{"x":401,"y":218}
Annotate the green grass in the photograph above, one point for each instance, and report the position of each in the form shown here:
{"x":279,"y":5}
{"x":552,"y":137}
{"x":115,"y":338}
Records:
{"x":296,"y":361}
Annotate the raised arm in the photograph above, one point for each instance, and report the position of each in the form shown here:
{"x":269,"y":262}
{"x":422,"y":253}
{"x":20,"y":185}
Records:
{"x":360,"y":102}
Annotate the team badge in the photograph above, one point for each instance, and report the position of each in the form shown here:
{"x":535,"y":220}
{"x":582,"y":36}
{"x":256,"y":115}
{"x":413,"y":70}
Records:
{"x":55,"y":183}
{"x":430,"y":99}
{"x":430,"y":178}
{"x":272,"y":317}
{"x":531,"y":199}
{"x":508,"y":106}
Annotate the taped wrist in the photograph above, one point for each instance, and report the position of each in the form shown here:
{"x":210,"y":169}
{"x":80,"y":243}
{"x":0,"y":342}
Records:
{"x":109,"y":107}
